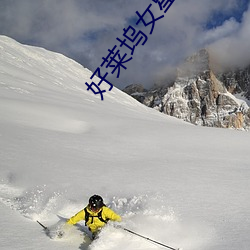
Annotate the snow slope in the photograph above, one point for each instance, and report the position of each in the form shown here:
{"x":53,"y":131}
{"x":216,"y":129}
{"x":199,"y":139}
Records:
{"x":179,"y":184}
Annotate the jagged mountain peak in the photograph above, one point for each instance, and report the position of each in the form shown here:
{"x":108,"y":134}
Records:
{"x":197,"y":64}
{"x":201,"y":96}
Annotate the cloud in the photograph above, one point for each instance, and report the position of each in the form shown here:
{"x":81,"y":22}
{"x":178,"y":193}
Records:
{"x":86,"y":29}
{"x":233,"y":49}
{"x":229,"y":27}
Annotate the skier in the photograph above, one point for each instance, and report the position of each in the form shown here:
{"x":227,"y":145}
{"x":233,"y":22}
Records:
{"x":95,"y":214}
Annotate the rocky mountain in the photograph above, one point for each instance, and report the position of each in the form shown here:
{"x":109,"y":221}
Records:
{"x":237,"y":81}
{"x":200,"y":95}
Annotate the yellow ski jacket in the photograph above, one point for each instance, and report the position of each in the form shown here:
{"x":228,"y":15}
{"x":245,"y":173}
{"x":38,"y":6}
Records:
{"x":94,"y":223}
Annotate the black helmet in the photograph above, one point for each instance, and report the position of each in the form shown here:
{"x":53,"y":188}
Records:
{"x":96,"y":202}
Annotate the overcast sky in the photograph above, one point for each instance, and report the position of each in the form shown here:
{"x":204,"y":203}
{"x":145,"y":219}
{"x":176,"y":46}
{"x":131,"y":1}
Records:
{"x":86,"y":29}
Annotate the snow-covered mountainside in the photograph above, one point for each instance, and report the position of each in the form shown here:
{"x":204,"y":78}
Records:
{"x":198,"y":96}
{"x":182,"y":185}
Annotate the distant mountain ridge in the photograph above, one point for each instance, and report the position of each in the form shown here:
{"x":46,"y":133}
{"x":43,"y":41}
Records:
{"x":202,"y":96}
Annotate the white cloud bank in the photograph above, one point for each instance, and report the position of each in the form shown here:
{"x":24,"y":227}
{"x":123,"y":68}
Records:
{"x":85,"y":30}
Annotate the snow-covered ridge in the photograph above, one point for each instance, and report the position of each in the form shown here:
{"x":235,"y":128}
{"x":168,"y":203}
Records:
{"x":35,"y":66}
{"x":38,"y":75}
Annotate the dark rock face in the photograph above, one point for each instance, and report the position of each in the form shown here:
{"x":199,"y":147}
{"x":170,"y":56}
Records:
{"x":237,"y":81}
{"x":201,"y":97}
{"x":137,"y":91}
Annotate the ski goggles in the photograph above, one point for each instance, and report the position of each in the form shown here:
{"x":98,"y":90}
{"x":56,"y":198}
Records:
{"x":94,"y":208}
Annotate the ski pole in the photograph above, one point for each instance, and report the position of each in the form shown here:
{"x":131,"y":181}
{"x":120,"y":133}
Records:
{"x":45,"y":228}
{"x":146,"y":238}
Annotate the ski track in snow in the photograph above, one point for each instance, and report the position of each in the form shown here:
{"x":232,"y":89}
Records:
{"x":43,"y":117}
